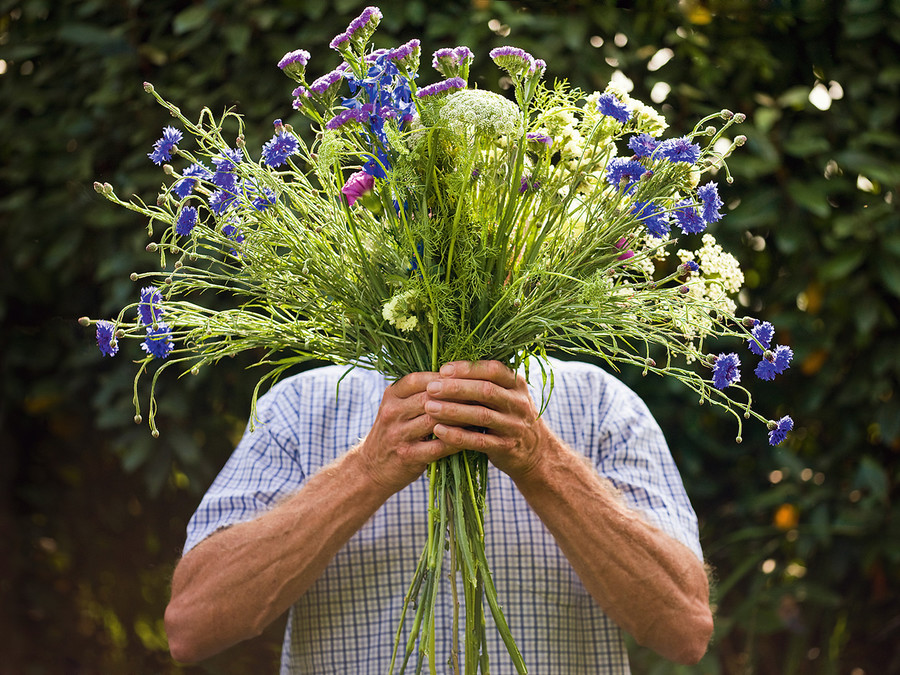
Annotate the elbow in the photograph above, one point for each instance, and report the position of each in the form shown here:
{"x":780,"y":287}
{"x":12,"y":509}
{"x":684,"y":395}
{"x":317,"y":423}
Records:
{"x":684,"y":640}
{"x":182,"y":646}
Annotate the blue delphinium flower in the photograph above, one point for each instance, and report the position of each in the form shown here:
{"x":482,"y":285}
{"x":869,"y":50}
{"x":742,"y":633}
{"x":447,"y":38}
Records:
{"x":687,"y":217}
{"x":621,"y":170}
{"x":186,"y":221}
{"x":281,"y":146}
{"x":158,"y":342}
{"x":608,"y":104}
{"x":778,"y":430}
{"x":643,"y":145}
{"x":150,"y":307}
{"x":654,"y":218}
{"x":679,"y":150}
{"x":762,"y":334}
{"x":774,"y":363}
{"x":726,"y":370}
{"x":710,"y":202}
{"x":162,"y":149}
{"x":189,"y":179}
{"x":106,"y":338}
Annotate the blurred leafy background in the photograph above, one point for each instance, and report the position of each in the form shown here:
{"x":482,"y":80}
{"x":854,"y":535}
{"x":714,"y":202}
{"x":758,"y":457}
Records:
{"x":804,"y":539}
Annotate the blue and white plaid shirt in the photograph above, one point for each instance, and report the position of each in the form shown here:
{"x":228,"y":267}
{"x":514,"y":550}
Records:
{"x":346,"y":622}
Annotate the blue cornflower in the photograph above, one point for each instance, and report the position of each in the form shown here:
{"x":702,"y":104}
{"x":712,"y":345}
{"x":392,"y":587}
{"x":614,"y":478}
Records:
{"x":150,"y":307}
{"x":621,"y":170}
{"x":679,"y":150}
{"x":762,"y":334}
{"x":726,"y":370}
{"x":189,"y":179}
{"x":608,"y":104}
{"x":774,"y":363}
{"x":221,"y":200}
{"x":225,"y":164}
{"x":281,"y":146}
{"x":778,"y":430}
{"x":688,"y":218}
{"x":162,"y":149}
{"x":106,"y":338}
{"x":643,"y":145}
{"x":158,"y":342}
{"x":689,"y":266}
{"x":186,"y":221}
{"x":264,"y":199}
{"x":654,"y":218}
{"x":709,"y":198}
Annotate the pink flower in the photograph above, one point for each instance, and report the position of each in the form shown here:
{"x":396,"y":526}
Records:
{"x":359,"y":184}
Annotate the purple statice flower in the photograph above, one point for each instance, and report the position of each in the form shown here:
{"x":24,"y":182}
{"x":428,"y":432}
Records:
{"x":359,"y":30}
{"x":324,"y":83}
{"x":643,"y":145}
{"x":621,"y":171}
{"x":106,"y":338}
{"x":406,"y":55}
{"x":281,"y":146}
{"x":158,"y":342}
{"x":608,"y":104}
{"x":538,"y":137}
{"x":688,"y":218}
{"x":186,"y":221}
{"x":452,"y":61}
{"x":340,"y":41}
{"x":357,"y":185}
{"x":294,"y":63}
{"x":762,"y":333}
{"x":726,"y":370}
{"x":774,"y":363}
{"x":222,"y":200}
{"x":710,"y":202}
{"x":189,"y":179}
{"x":513,"y":60}
{"x":150,"y":307}
{"x":654,"y":218}
{"x":162,"y":149}
{"x":442,"y":87}
{"x":225,"y":164}
{"x":679,"y":150}
{"x":360,"y":115}
{"x":778,"y":430}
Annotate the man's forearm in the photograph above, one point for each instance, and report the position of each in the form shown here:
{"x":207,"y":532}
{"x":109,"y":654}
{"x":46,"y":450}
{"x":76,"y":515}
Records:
{"x":650,"y":584}
{"x":234,"y":584}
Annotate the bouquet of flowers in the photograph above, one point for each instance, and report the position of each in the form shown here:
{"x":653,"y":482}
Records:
{"x":422,"y":225}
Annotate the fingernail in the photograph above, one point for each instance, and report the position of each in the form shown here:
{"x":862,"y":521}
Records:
{"x":448,"y":370}
{"x":432,"y":407}
{"x":435,"y":387}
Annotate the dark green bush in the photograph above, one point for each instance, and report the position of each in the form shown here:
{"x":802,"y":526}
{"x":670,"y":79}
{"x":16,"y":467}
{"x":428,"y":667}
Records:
{"x":804,"y":538}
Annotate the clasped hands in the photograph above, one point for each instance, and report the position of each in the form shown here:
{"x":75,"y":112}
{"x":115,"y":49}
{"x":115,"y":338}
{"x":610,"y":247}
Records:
{"x":482,"y":405}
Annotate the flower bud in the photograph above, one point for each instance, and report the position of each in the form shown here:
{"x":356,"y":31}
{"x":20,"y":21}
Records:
{"x":148,"y":87}
{"x":152,"y":247}
{"x":168,"y":170}
{"x":195,"y":370}
{"x":138,"y":419}
{"x":740,"y":140}
{"x":749,"y":322}
{"x":84,"y":321}
{"x":155,"y":433}
{"x":726,"y":114}
{"x":120,"y":333}
{"x":239,"y":142}
{"x":710,"y":130}
{"x":650,"y":362}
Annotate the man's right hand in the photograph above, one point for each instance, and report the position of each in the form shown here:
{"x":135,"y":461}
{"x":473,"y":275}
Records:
{"x":399,"y":447}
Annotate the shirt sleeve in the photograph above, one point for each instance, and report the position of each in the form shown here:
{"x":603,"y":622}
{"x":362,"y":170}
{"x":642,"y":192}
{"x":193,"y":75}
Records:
{"x":634,"y":456}
{"x":263,"y":469}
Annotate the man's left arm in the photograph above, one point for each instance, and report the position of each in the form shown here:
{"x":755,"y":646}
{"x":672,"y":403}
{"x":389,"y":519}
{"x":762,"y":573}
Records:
{"x":653,"y":586}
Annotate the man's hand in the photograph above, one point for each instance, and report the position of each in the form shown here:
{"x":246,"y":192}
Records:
{"x":400,"y":444}
{"x":486,"y":406}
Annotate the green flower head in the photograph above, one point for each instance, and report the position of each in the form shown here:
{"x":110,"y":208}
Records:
{"x":483,"y":112}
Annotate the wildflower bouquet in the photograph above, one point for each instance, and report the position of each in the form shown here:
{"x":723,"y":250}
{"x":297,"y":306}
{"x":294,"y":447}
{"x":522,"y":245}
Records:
{"x":424,"y":225}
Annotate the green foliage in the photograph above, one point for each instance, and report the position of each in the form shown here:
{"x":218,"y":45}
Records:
{"x":804,"y":539}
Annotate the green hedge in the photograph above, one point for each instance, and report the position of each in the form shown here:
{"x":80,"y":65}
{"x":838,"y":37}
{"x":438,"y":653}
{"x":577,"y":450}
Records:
{"x":804,"y":538}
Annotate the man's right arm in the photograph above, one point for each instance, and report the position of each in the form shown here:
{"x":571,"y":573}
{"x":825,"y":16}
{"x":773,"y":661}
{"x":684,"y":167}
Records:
{"x":235,"y":583}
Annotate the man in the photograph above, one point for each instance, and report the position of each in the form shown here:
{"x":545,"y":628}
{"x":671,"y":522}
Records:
{"x":587,"y":525}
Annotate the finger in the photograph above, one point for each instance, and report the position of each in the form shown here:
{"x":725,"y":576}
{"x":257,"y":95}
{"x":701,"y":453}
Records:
{"x":411,"y":384}
{"x":465,"y":415}
{"x":492,"y":371}
{"x":470,"y":439}
{"x":482,"y":392}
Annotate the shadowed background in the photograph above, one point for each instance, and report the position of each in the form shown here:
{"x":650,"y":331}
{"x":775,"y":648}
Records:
{"x":804,"y":538}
